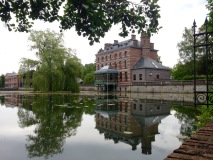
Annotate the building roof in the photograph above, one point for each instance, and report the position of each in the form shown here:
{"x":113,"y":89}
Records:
{"x":11,"y":74}
{"x":145,"y":62}
{"x":106,"y":69}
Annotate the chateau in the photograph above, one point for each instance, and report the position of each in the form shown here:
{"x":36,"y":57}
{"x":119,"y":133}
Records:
{"x":135,"y":61}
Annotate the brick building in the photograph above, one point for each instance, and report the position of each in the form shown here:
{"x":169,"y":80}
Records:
{"x":133,"y":122}
{"x":11,"y":80}
{"x":132,"y":56}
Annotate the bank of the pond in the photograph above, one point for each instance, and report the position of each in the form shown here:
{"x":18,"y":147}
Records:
{"x":157,"y":96}
{"x":199,"y":146}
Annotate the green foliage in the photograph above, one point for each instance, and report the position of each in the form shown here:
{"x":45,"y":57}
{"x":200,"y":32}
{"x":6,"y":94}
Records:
{"x":91,"y":18}
{"x":88,"y":68}
{"x":88,"y":73}
{"x":55,"y":118}
{"x":184,"y":69}
{"x":89,"y":78}
{"x":210,"y":14}
{"x":2,"y":81}
{"x":159,"y":59}
{"x":185,"y":47}
{"x":57,"y":67}
{"x":180,"y":70}
{"x":206,"y":114}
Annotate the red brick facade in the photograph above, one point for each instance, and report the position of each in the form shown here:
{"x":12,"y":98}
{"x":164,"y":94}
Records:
{"x":11,"y":80}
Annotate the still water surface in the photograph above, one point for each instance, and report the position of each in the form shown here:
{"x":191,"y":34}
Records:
{"x":62,"y":127}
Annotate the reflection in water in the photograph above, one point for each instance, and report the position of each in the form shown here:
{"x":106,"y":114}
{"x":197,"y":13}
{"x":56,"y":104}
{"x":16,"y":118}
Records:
{"x":55,"y":117}
{"x":187,"y":117}
{"x":130,"y":122}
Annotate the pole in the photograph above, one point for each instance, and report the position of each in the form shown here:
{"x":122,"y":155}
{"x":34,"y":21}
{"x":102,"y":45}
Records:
{"x":194,"y":28}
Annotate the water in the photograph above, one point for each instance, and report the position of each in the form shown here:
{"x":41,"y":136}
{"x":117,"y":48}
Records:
{"x":90,"y":128}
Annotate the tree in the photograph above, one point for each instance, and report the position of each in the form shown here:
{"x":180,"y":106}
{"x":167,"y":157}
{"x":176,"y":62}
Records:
{"x":89,"y":78}
{"x":185,"y":47}
{"x":54,"y":123}
{"x":88,"y":73}
{"x":57,"y":67}
{"x":209,"y":6}
{"x":184,"y":69}
{"x":92,"y":18}
{"x":2,"y":80}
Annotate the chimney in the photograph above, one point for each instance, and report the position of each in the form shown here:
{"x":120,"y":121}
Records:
{"x":107,"y":45}
{"x":145,"y":40}
{"x":133,"y":37}
{"x":115,"y":41}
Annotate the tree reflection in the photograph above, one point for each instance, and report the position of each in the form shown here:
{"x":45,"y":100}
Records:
{"x":187,"y":118}
{"x":1,"y":100}
{"x":55,"y":118}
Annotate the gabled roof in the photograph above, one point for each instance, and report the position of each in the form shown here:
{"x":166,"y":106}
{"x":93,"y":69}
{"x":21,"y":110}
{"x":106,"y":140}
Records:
{"x":145,"y":62}
{"x":106,"y":69}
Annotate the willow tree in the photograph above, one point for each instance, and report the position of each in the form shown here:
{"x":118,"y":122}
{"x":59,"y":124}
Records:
{"x":56,"y":66}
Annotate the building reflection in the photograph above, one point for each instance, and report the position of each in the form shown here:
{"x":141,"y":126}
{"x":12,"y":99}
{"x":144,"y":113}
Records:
{"x":134,"y":122}
{"x":12,"y":100}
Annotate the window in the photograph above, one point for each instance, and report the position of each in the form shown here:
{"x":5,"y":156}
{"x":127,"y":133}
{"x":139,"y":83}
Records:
{"x":141,"y":107}
{"x":134,"y":106}
{"x":158,"y":108}
{"x":98,"y":67}
{"x":106,"y":58}
{"x":120,"y":54}
{"x":140,"y":76}
{"x":134,"y":76}
{"x":125,"y":54}
{"x":115,"y":65}
{"x":102,"y":59}
{"x":125,"y":64}
{"x":126,"y":106}
{"x":120,"y":64}
{"x":157,"y":76}
{"x":115,"y":55}
{"x":126,"y":77}
{"x":120,"y":76}
{"x":98,"y":59}
{"x":120,"y":106}
{"x":110,"y":56}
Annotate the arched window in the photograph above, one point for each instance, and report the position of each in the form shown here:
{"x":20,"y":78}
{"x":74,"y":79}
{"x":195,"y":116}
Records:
{"x":115,"y":55}
{"x":115,"y":65}
{"x":120,"y":64}
{"x":125,"y":54}
{"x":125,"y":63}
{"x":120,"y":54}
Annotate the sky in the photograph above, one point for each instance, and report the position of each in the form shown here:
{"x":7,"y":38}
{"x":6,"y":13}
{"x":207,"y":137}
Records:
{"x":175,"y":16}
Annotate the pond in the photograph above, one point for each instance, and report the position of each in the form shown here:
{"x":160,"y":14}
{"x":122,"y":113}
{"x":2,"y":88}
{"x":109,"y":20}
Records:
{"x":68,"y":127}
